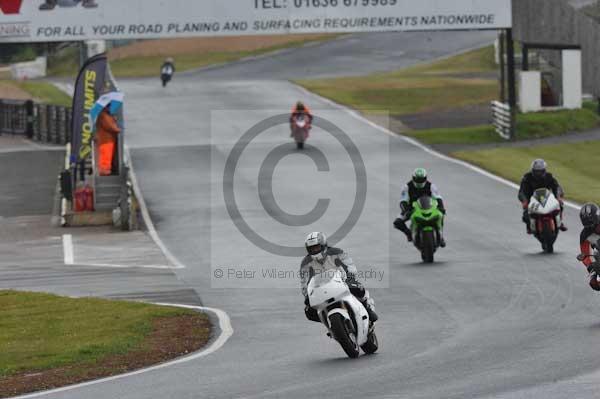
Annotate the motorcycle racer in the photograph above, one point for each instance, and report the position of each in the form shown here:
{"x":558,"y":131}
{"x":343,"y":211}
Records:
{"x":416,"y":188}
{"x":590,"y":240}
{"x":533,"y":180}
{"x":322,"y":258}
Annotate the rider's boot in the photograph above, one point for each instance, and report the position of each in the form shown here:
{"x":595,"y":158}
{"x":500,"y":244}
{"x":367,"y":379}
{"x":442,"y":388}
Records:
{"x":368,"y":304}
{"x":400,"y":224}
{"x":89,"y":4}
{"x":48,"y":5}
{"x":563,"y":227}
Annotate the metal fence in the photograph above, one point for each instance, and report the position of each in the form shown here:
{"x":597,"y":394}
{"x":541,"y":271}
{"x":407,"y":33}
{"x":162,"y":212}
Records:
{"x":41,"y":122}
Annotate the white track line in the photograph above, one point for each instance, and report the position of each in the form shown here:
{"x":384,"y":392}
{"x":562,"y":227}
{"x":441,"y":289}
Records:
{"x":226,"y":332}
{"x":420,"y":145}
{"x":67,"y":240}
{"x":70,"y":259}
{"x":113,"y":266}
{"x":146,"y":216}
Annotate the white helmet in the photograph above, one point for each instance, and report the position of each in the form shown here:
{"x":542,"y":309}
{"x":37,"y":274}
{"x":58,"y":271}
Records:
{"x":316,"y":245}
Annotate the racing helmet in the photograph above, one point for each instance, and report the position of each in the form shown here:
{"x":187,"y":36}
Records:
{"x":538,"y":168}
{"x":316,"y":245}
{"x":419,"y":177}
{"x":300,"y":106}
{"x":590,"y":215}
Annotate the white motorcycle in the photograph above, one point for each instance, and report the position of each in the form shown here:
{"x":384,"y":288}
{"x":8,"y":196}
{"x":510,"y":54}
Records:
{"x":544,"y":218}
{"x":344,"y":316}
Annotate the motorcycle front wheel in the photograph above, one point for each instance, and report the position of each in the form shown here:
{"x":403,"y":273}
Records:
{"x":548,"y":238}
{"x":342,"y":335}
{"x":427,"y":246}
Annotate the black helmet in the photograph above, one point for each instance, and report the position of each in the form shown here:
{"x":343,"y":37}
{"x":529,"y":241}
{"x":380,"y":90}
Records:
{"x":538,"y":168}
{"x":590,"y":215}
{"x":300,"y":106}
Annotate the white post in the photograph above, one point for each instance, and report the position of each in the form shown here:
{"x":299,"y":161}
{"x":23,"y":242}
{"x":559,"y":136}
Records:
{"x":571,"y":79}
{"x":530,"y":91}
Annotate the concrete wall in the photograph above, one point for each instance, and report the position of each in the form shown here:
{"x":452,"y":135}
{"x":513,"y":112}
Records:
{"x":558,"y":22}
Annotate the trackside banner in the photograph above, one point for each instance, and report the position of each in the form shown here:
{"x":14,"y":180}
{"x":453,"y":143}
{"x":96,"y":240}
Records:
{"x":65,"y":20}
{"x":92,"y":79}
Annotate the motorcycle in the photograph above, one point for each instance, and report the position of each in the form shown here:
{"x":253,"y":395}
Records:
{"x":166,"y":74}
{"x":346,"y":319}
{"x":426,"y":225}
{"x":544,"y":218}
{"x":300,"y":127}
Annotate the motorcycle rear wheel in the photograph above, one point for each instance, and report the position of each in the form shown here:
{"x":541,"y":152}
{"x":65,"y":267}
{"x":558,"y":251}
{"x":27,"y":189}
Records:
{"x":342,"y":335}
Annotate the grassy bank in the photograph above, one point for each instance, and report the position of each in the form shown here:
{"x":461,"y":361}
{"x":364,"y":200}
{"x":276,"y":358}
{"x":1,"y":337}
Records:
{"x":41,"y":331}
{"x":141,"y":61}
{"x":39,"y":91}
{"x":529,"y":126}
{"x":46,"y":93}
{"x":572,"y":163}
{"x":453,"y":82}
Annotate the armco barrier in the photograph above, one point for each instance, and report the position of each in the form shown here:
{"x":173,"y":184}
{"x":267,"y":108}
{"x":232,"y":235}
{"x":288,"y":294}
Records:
{"x":40,"y":122}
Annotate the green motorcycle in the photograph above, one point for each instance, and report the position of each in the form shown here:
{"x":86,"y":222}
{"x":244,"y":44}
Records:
{"x":427,"y":222}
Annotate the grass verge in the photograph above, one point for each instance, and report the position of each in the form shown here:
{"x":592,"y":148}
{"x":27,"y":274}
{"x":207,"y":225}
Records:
{"x":529,"y":126}
{"x":39,"y":91}
{"x":46,"y":93}
{"x":571,"y":163}
{"x":131,"y":66}
{"x":41,"y":332}
{"x":453,"y":82}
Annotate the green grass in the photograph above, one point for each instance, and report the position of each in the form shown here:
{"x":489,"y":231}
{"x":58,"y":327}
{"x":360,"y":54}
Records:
{"x":468,"y":135}
{"x":572,"y":163}
{"x":445,"y":84}
{"x":67,"y":65}
{"x":529,"y":126}
{"x":41,"y":331}
{"x":45,"y":92}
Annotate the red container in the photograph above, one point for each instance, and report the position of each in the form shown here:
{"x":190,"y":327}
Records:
{"x":83,"y":199}
{"x":89,"y":198}
{"x":10,"y":6}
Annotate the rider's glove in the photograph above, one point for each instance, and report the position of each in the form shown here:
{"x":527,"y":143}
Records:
{"x":306,"y":301}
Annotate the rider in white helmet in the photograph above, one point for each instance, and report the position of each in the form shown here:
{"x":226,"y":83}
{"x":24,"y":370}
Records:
{"x":321,"y":258}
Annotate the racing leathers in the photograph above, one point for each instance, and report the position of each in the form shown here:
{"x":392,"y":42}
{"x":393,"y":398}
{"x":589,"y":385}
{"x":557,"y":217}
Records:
{"x":410,"y":194}
{"x":529,"y":184}
{"x":335,"y":259}
{"x":589,"y":242}
{"x":302,"y":111}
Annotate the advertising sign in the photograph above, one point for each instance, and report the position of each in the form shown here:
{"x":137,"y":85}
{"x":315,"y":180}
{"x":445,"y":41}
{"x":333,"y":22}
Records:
{"x":74,"y":20}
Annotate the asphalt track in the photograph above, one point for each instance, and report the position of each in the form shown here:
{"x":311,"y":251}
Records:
{"x":493,"y":318}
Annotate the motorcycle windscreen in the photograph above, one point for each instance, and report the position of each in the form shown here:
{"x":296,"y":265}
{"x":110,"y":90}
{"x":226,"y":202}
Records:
{"x":425,"y":203}
{"x":541,"y":195}
{"x":323,"y":277}
{"x":300,"y":121}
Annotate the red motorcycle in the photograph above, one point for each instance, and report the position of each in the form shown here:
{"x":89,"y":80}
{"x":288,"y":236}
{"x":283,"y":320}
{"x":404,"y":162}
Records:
{"x":300,"y":128}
